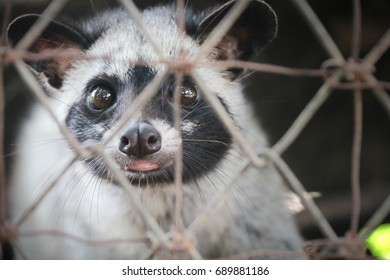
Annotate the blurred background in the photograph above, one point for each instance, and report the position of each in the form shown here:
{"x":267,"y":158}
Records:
{"x":321,"y":156}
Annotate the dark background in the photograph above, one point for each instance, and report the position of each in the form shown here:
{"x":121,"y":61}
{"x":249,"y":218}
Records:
{"x":321,"y":156}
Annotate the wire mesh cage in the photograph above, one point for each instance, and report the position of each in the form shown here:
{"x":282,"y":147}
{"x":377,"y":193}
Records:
{"x":344,"y":77}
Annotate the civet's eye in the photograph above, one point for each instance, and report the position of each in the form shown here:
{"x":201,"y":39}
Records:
{"x":100,"y":98}
{"x":188,"y":93}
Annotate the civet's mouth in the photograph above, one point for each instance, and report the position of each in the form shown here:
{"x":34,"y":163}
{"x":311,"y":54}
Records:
{"x":141,"y":172}
{"x":142,"y":166}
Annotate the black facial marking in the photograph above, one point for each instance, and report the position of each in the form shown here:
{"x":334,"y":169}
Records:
{"x":139,"y":77}
{"x":87,"y":123}
{"x":206,"y":145}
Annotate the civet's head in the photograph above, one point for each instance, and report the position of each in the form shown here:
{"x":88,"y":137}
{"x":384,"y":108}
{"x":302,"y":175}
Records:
{"x":107,"y":63}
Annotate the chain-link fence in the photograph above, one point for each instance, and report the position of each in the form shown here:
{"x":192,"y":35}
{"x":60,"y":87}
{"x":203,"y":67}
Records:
{"x":351,"y":74}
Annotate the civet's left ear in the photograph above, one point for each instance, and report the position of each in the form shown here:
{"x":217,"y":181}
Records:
{"x":253,"y":30}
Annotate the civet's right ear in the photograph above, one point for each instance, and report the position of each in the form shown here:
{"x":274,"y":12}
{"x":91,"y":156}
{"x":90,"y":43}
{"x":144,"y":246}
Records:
{"x":56,"y":36}
{"x":252,"y":31}
{"x":255,"y":28}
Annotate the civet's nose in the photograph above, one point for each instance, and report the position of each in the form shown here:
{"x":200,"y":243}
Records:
{"x":139,"y":140}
